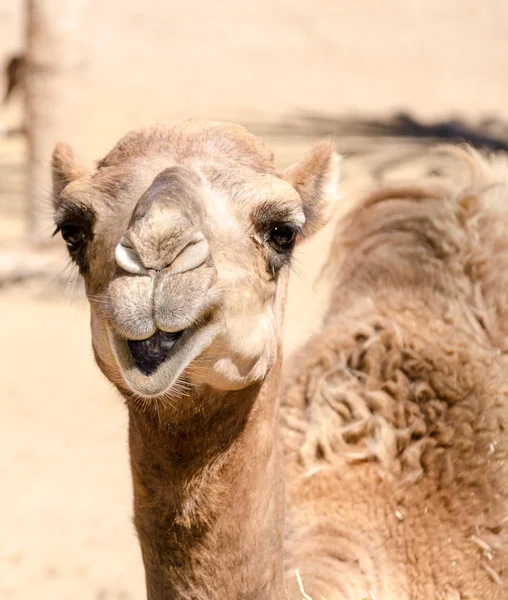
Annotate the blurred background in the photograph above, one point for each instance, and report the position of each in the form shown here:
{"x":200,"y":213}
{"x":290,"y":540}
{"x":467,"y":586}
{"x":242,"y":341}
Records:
{"x":383,"y":78}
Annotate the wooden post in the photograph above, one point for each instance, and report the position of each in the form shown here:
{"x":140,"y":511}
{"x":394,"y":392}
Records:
{"x":56,"y":61}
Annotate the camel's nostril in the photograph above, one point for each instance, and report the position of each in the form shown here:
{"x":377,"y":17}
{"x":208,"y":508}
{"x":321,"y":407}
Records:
{"x":150,"y":353}
{"x":128,"y":259}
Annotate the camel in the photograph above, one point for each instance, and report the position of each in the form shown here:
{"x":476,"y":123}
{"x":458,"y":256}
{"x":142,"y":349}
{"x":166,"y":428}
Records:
{"x":377,"y":467}
{"x":14,"y":72}
{"x":184,"y":236}
{"x":394,"y":415}
{"x":14,"y":75}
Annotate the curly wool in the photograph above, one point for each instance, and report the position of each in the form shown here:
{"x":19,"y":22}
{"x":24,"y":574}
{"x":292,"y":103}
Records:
{"x":394,"y":416}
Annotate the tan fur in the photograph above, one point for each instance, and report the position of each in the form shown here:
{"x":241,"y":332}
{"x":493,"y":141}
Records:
{"x":395,"y":415}
{"x":205,"y":457}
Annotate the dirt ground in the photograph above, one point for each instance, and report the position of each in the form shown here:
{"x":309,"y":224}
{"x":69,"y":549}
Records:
{"x":65,"y":498}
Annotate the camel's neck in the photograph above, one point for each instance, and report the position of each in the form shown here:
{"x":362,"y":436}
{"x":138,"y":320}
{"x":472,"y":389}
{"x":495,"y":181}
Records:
{"x":208,"y":499}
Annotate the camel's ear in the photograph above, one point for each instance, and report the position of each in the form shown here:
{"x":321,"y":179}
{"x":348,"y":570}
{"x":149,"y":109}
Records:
{"x":65,"y":169}
{"x":316,"y":179}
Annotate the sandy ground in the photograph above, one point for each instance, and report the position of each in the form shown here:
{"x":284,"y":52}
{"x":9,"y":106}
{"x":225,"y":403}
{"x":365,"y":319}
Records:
{"x":65,"y":499}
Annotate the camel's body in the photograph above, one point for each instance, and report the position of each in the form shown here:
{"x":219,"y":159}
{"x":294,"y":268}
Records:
{"x":14,"y":74}
{"x":14,"y":82}
{"x":392,"y":419}
{"x":415,"y":507}
{"x":396,"y":416}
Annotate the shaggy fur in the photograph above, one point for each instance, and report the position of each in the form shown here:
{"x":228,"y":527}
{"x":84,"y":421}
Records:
{"x":395,"y":415}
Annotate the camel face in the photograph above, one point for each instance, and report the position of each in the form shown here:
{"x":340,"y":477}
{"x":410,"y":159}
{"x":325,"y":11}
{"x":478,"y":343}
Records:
{"x":184,"y":236}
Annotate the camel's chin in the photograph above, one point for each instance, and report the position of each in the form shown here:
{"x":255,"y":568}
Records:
{"x":150,"y":379}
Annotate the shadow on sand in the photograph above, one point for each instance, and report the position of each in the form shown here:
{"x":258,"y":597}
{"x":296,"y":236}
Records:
{"x":487,"y":134}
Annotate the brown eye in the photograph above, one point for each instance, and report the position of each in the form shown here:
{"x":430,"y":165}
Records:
{"x":73,"y":236}
{"x":282,"y":237}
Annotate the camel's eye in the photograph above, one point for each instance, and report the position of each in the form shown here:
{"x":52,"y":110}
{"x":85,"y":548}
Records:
{"x":73,"y":235}
{"x":282,"y":236}
{"x":75,"y":222}
{"x":76,"y":237}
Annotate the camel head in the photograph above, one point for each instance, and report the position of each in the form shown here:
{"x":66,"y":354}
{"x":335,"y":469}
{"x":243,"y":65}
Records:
{"x":184,"y":236}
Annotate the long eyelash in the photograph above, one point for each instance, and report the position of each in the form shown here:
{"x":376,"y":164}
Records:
{"x":75,"y":212}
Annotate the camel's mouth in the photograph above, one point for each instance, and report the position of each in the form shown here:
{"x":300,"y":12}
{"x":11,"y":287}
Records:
{"x":148,"y":354}
{"x":151,"y":366}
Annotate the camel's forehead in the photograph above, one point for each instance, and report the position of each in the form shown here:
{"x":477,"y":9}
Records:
{"x":226,"y":157}
{"x":193,"y":139}
{"x":239,"y":186}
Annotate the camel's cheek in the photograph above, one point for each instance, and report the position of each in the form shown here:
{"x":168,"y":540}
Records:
{"x":252,"y":315}
{"x":102,"y":348}
{"x":241,"y":355}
